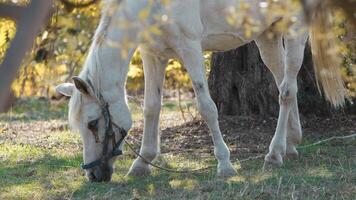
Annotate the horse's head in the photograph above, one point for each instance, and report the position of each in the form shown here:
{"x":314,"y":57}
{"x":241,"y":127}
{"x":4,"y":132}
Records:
{"x":93,"y":117}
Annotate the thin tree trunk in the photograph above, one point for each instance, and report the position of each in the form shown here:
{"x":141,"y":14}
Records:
{"x":29,"y":22}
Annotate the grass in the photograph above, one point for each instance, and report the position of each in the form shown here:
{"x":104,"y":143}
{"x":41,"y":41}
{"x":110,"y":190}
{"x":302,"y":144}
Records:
{"x":27,"y":171}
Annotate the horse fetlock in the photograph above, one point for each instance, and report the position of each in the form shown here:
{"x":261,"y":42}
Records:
{"x":148,"y":155}
{"x":139,"y":168}
{"x":278,"y":144}
{"x":276,"y":153}
{"x":274,"y":158}
{"x":279,"y":148}
{"x":222,"y":152}
{"x":291,"y":151}
{"x":225,"y":169}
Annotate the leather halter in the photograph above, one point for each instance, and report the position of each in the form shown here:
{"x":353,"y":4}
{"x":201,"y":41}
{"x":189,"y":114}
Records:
{"x":109,"y":134}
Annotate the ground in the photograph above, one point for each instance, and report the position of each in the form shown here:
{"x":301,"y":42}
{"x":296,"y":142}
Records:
{"x":40,"y":158}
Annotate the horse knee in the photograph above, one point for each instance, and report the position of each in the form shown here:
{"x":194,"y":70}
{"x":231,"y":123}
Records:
{"x":206,"y":105}
{"x":152,"y":109}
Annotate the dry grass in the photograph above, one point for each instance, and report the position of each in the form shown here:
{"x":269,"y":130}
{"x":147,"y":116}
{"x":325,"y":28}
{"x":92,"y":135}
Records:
{"x":40,"y":159}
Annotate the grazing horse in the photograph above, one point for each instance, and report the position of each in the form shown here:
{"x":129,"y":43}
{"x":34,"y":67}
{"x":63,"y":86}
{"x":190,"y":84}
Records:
{"x":183,"y":30}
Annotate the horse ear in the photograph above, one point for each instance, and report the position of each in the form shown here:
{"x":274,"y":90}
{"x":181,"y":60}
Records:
{"x":82,"y":86}
{"x":65,"y":89}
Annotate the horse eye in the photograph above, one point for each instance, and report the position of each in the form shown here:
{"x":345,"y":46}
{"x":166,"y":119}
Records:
{"x":93,"y":125}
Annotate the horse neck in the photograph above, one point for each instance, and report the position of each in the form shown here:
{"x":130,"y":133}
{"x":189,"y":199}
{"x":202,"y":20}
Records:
{"x":108,"y":72}
{"x":113,"y":47}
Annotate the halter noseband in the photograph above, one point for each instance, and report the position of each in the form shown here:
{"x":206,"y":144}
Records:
{"x":109,"y":134}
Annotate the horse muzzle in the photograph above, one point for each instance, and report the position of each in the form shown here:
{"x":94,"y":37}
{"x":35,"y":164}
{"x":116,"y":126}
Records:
{"x":101,"y":173}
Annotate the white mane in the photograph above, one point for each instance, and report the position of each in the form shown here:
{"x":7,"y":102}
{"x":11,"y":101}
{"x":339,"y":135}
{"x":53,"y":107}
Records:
{"x":91,"y":67}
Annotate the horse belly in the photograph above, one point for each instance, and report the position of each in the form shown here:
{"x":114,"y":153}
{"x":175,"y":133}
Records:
{"x":219,"y":34}
{"x":222,"y":42}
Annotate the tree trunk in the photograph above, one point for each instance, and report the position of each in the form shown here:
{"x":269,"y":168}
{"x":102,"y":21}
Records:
{"x":240,"y":84}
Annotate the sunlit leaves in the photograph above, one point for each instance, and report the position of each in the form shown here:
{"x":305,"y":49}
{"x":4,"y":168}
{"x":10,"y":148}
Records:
{"x":144,"y":13}
{"x":61,"y":50}
{"x":7,"y":32}
{"x":17,"y":2}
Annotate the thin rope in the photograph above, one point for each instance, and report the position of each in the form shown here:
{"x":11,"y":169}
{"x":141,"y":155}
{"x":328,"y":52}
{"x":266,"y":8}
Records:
{"x":204,"y":169}
{"x":327,"y":140}
{"x":192,"y":171}
{"x":201,"y":170}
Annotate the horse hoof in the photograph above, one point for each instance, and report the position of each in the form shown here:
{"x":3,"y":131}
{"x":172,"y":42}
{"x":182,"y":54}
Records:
{"x":139,"y":169}
{"x":226,"y":171}
{"x":272,"y":162}
{"x":292,"y":155}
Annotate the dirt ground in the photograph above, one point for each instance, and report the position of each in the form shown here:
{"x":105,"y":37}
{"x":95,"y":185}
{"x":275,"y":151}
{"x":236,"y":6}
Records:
{"x":41,"y":157}
{"x":246,"y":136}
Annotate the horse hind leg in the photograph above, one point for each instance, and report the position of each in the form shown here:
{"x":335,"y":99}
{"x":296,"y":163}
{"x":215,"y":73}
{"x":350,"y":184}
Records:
{"x":294,"y":59}
{"x":288,"y":132}
{"x":273,"y":54}
{"x":294,"y":131}
{"x":154,"y":69}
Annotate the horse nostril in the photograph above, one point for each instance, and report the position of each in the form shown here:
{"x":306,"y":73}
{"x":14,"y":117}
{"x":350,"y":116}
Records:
{"x":100,"y":174}
{"x":106,"y":172}
{"x":92,"y":176}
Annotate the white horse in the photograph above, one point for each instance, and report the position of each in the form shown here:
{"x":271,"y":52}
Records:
{"x":187,"y":27}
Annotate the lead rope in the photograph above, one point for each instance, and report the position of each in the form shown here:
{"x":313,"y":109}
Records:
{"x":193,"y":171}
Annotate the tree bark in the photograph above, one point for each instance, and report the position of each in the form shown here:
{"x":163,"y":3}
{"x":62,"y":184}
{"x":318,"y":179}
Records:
{"x":240,"y":84}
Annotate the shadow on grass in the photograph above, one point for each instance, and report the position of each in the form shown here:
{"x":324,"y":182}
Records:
{"x":320,"y":173}
{"x":168,"y":186}
{"x":313,"y":176}
{"x":33,"y":109}
{"x":28,"y":172}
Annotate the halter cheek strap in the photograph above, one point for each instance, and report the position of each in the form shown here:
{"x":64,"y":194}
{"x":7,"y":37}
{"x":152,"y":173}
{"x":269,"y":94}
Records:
{"x":116,"y":150}
{"x":109,"y":134}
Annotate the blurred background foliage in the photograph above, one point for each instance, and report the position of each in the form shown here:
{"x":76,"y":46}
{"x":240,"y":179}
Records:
{"x":60,"y":52}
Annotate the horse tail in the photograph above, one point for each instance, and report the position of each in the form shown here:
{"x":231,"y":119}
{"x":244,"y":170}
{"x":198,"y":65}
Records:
{"x":326,"y":60}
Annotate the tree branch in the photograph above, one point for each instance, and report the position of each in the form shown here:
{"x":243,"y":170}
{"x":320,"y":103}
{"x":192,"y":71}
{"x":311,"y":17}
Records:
{"x":71,"y":5}
{"x":11,"y":11}
{"x":29,"y":23}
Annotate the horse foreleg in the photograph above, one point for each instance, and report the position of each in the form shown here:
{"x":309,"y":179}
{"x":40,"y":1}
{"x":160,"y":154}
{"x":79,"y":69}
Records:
{"x":193,"y":60}
{"x":154,"y":69}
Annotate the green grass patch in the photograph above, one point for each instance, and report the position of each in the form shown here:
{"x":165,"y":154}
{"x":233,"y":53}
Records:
{"x":31,"y":171}
{"x":35,"y":173}
{"x":35,"y":109}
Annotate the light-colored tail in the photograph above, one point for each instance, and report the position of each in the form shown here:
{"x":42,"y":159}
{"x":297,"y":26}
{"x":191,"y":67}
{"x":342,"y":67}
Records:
{"x":327,"y":62}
